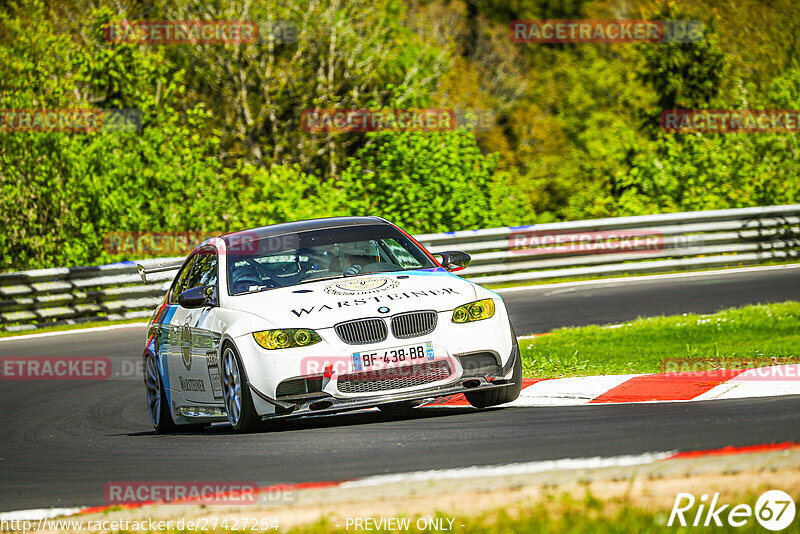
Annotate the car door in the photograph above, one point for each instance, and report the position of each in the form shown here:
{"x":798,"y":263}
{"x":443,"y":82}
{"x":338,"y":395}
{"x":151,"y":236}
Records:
{"x":196,"y":363}
{"x":171,"y":332}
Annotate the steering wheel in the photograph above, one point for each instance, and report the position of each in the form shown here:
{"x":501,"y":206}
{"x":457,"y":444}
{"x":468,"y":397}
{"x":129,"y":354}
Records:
{"x":243,"y":285}
{"x":298,"y":276}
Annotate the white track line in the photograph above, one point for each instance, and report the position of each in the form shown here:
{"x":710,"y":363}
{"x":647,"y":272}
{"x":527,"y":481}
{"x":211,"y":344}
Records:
{"x":526,"y":468}
{"x":37,"y":514}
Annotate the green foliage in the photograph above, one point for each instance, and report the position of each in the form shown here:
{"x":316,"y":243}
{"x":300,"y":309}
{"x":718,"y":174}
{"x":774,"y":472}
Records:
{"x":684,"y":75}
{"x":429,"y":182}
{"x":62,"y":192}
{"x":281,"y":194}
{"x":220,"y":145}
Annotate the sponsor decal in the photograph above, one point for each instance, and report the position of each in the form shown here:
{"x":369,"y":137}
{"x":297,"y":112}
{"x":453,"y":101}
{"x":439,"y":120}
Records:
{"x":186,"y":346}
{"x":212,"y":357}
{"x":383,"y":298}
{"x":361,"y":286}
{"x":191,"y":384}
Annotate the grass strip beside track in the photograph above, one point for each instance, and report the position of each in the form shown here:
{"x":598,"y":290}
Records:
{"x":76,"y":326}
{"x":562,"y":512}
{"x":759,"y":332}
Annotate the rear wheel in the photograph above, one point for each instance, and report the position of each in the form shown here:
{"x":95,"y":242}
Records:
{"x":236,"y":393}
{"x":493,"y":397}
{"x":156,"y":397}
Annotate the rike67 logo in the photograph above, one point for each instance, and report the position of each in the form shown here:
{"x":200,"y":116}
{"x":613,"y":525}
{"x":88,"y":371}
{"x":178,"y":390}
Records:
{"x":774,"y":510}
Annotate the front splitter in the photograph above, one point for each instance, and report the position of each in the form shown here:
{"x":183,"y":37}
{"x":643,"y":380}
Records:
{"x":343,"y":405}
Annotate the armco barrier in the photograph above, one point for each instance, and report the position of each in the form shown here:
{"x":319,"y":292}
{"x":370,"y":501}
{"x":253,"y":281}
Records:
{"x":598,"y":247}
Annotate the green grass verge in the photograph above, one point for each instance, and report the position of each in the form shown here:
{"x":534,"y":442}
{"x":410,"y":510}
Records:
{"x":556,"y":514}
{"x":79,"y":326}
{"x":640,"y":346}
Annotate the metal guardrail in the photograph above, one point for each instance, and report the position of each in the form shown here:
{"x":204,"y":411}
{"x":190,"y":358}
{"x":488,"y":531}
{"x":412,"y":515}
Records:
{"x":590,"y":248}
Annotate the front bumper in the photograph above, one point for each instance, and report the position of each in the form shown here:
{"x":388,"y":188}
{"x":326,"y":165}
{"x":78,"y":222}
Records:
{"x":266,"y":370}
{"x":329,"y":404}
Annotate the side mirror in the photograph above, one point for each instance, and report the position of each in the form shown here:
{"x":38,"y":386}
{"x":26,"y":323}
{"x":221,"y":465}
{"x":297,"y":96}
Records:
{"x":454,"y":260}
{"x":199,"y":297}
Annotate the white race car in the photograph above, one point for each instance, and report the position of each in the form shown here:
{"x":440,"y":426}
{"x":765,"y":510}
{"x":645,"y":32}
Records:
{"x":322,"y":316}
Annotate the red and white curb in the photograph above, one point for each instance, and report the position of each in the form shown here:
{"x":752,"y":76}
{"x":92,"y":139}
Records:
{"x":666,"y":387}
{"x":519,"y":468}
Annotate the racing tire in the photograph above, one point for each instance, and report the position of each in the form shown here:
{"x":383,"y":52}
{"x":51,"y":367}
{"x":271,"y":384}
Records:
{"x":157,"y":404}
{"x":493,"y":397}
{"x":236,"y":393}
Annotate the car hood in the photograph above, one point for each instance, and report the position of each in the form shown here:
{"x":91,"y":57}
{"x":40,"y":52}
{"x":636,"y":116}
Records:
{"x":328,"y":302}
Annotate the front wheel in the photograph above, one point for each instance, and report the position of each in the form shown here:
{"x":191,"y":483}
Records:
{"x":493,"y":397}
{"x":156,"y":397}
{"x":236,"y":393}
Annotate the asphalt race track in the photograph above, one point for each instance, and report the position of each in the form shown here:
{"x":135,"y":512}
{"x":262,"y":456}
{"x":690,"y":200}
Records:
{"x":64,"y":440}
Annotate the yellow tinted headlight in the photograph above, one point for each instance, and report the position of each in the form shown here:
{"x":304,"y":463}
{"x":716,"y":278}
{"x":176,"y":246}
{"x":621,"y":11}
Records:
{"x":474,"y":311}
{"x":286,"y":338}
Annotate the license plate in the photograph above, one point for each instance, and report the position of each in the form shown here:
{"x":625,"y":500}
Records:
{"x":393,"y":357}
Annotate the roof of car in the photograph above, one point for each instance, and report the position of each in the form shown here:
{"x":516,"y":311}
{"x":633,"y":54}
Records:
{"x":303,"y":226}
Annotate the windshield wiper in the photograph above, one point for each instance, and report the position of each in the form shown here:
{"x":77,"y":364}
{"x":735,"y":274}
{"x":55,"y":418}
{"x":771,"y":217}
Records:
{"x":319,"y":279}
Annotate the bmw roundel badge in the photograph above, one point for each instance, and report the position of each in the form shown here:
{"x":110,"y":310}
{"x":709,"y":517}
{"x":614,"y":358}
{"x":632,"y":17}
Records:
{"x":383,"y":309}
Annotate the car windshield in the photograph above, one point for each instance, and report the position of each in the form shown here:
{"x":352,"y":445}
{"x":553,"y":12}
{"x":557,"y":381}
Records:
{"x":303,"y":257}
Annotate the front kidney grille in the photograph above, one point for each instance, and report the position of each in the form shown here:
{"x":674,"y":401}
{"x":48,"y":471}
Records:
{"x":362,"y":331}
{"x":395,"y":378}
{"x":413,"y":324}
